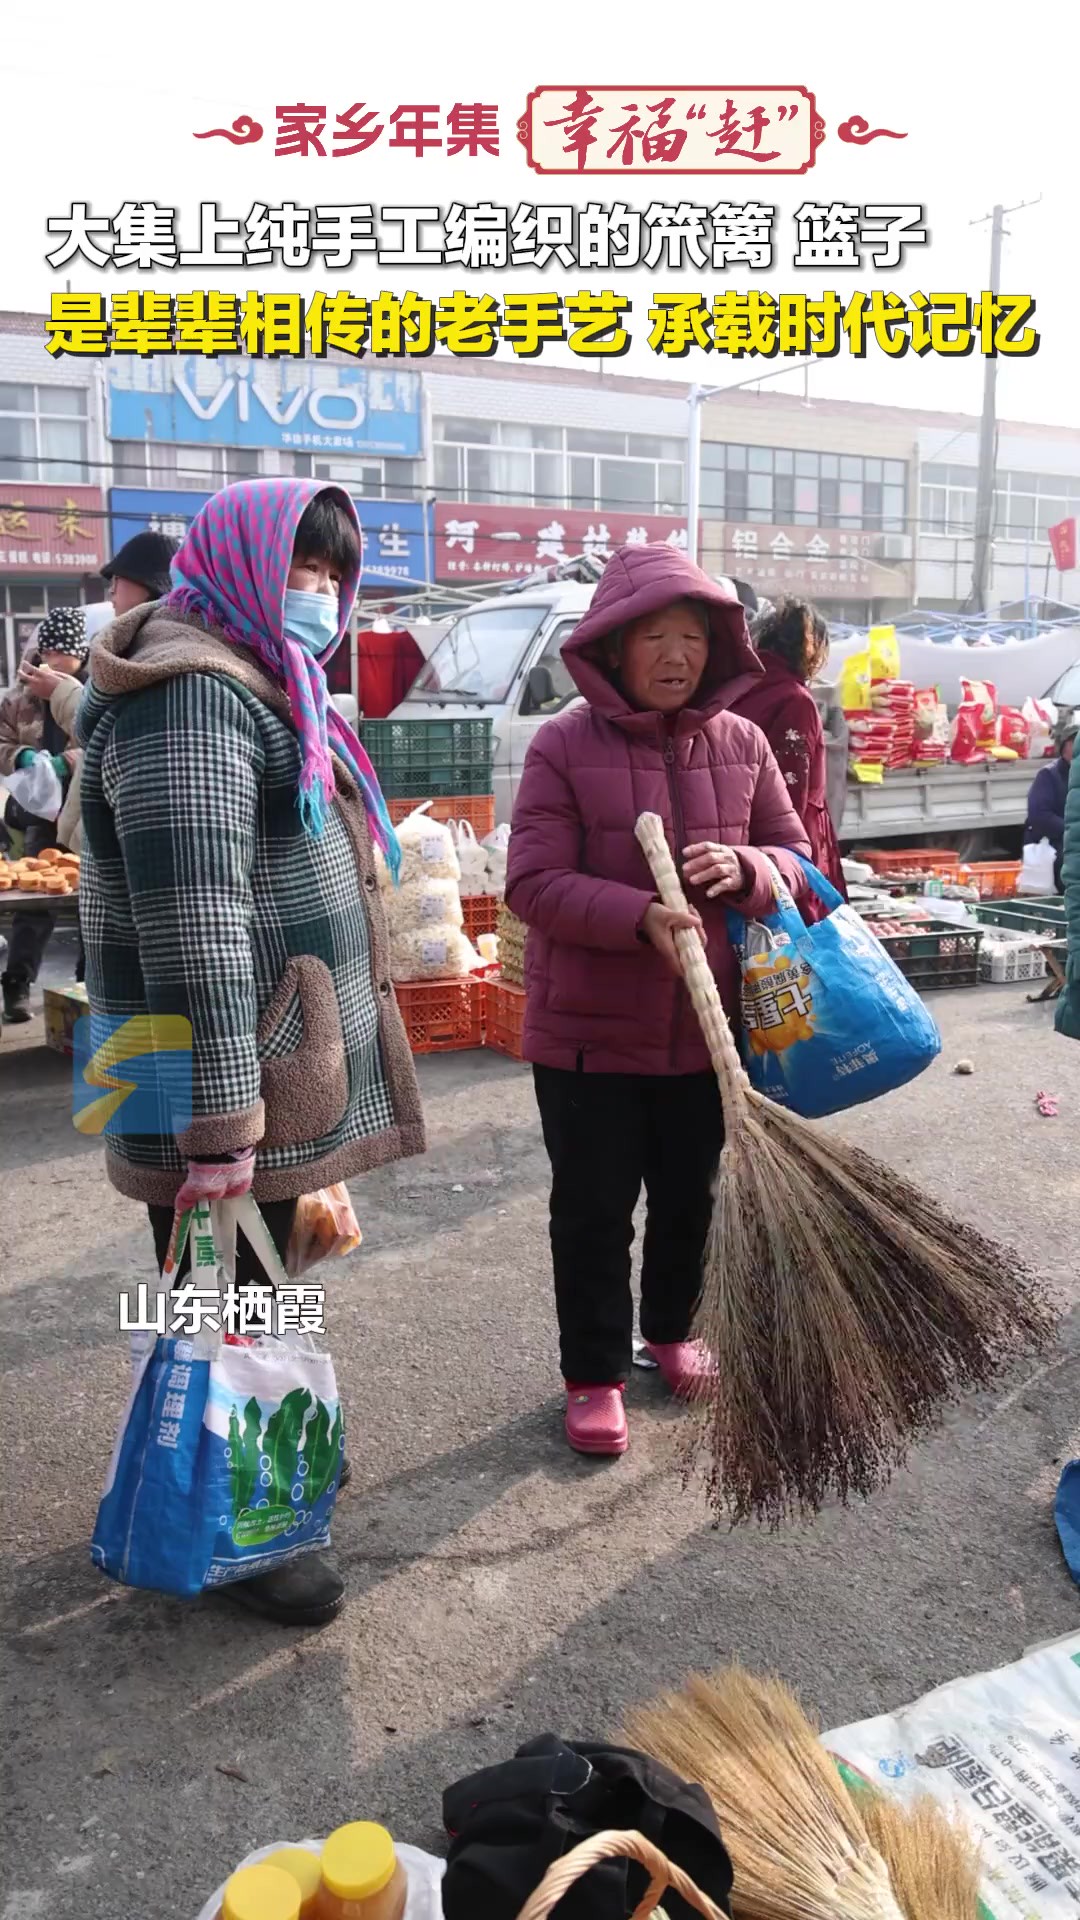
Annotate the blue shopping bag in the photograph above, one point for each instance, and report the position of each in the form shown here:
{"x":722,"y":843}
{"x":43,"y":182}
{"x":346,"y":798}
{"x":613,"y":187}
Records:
{"x":227,"y":1459}
{"x":1067,"y":1516}
{"x":829,"y":1021}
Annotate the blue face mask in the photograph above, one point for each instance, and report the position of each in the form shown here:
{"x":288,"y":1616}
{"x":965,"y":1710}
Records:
{"x":311,"y":618}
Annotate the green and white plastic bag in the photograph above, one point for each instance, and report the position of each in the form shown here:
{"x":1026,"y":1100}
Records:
{"x":228,"y":1457}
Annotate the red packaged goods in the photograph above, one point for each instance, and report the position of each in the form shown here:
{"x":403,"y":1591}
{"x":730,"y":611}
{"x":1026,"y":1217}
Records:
{"x":893,"y":702}
{"x":1013,"y":731}
{"x":982,"y":694}
{"x":965,"y":745}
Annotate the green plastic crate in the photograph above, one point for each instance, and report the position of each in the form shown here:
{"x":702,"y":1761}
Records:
{"x":1044,"y":914}
{"x":425,"y":759}
{"x":941,"y":955}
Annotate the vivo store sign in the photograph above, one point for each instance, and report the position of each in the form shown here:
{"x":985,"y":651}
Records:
{"x":267,"y":404}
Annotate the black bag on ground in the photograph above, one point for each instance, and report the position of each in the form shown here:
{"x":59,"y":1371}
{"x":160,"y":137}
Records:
{"x":508,"y":1823}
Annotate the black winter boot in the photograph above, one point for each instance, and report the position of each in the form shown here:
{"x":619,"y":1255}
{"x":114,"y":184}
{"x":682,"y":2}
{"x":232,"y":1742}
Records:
{"x":16,"y":1000}
{"x":306,"y":1592}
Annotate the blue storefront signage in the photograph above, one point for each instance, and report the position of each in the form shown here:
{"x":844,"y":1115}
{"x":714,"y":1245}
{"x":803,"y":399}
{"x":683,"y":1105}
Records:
{"x":267,"y":403}
{"x":395,"y":550}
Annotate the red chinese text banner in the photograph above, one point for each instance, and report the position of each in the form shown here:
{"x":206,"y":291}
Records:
{"x":499,"y":543}
{"x":51,"y":529}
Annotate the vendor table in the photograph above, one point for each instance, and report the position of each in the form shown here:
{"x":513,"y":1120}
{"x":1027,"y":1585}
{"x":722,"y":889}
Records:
{"x":64,"y":905}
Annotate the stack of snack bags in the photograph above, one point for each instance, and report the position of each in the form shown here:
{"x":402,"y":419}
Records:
{"x":426,"y":941}
{"x":931,"y":747}
{"x":878,"y":706}
{"x":870,"y":741}
{"x":512,"y":934}
{"x":895,"y":700}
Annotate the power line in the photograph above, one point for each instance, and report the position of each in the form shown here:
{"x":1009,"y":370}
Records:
{"x":899,"y":525}
{"x":418,"y":493}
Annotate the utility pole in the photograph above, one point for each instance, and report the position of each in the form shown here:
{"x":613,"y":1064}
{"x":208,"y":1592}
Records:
{"x":695,"y":399}
{"x":984,"y":496}
{"x":693,"y":470}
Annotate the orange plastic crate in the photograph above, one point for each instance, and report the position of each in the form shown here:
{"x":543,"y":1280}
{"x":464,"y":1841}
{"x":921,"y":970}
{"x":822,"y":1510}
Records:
{"x":477,"y":808}
{"x":995,"y":879}
{"x":481,"y":912}
{"x":442,"y":1016}
{"x":938,"y":860}
{"x":504,"y":1017}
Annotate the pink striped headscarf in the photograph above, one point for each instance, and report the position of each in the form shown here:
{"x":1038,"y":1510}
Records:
{"x":231,"y":574}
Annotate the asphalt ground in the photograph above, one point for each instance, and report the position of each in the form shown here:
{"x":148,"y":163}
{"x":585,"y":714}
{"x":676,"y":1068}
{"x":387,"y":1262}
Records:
{"x":498,"y":1585}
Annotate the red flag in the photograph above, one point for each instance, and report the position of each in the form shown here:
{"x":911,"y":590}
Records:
{"x":1063,"y":543}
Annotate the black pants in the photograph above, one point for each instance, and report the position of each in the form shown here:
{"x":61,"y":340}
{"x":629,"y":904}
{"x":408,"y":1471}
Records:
{"x":607,"y":1134}
{"x":30,"y":932}
{"x":278,"y":1214}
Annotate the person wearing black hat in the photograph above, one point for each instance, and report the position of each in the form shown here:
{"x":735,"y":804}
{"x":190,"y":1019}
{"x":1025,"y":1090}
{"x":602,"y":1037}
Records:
{"x":28,"y":727}
{"x":140,"y":571}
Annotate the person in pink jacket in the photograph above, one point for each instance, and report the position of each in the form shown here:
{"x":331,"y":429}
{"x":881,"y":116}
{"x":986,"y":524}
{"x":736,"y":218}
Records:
{"x":626,"y":1094}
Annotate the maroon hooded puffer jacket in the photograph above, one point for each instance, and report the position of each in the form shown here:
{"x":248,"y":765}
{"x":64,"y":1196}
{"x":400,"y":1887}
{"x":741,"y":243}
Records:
{"x":597,"y":994}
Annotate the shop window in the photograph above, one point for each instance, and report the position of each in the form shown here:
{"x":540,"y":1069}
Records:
{"x":43,"y":434}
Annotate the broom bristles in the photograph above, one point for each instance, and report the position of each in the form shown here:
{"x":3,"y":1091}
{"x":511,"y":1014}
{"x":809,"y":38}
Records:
{"x":842,"y":1309}
{"x":933,"y":1861}
{"x":798,"y":1848}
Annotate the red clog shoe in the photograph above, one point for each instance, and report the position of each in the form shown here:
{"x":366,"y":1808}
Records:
{"x":596,"y":1419}
{"x":684,"y":1364}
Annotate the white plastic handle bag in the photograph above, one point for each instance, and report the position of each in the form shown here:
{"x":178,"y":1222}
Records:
{"x":1037,"y":871}
{"x":423,"y":1870}
{"x":37,"y":788}
{"x":474,"y":861}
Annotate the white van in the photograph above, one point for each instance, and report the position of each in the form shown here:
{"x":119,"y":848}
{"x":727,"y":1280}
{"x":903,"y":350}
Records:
{"x":501,"y":660}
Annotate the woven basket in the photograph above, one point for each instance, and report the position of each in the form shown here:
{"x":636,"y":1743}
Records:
{"x":609,"y":1846}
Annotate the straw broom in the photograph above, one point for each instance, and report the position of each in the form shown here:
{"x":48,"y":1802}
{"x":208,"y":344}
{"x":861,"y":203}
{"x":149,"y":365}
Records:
{"x":933,"y":1861}
{"x":802,"y":1847}
{"x":841,"y":1307}
{"x":798,"y":1848}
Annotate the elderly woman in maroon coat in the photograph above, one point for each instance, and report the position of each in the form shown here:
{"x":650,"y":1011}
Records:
{"x":793,"y":644}
{"x":626,"y":1093}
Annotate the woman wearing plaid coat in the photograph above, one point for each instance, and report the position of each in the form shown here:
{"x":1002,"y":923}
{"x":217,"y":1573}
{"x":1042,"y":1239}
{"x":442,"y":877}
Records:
{"x":230,"y":821}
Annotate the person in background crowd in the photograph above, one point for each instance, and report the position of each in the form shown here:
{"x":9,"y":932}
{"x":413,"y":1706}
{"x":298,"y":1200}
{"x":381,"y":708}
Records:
{"x":230,"y":820}
{"x":1046,"y":801}
{"x":793,"y":645}
{"x":1067,"y":1016}
{"x":28,"y":726}
{"x":623,"y":1081}
{"x":139,"y":572}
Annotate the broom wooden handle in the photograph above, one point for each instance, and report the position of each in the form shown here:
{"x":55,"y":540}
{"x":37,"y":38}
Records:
{"x":564,"y":1874}
{"x":697,"y":973}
